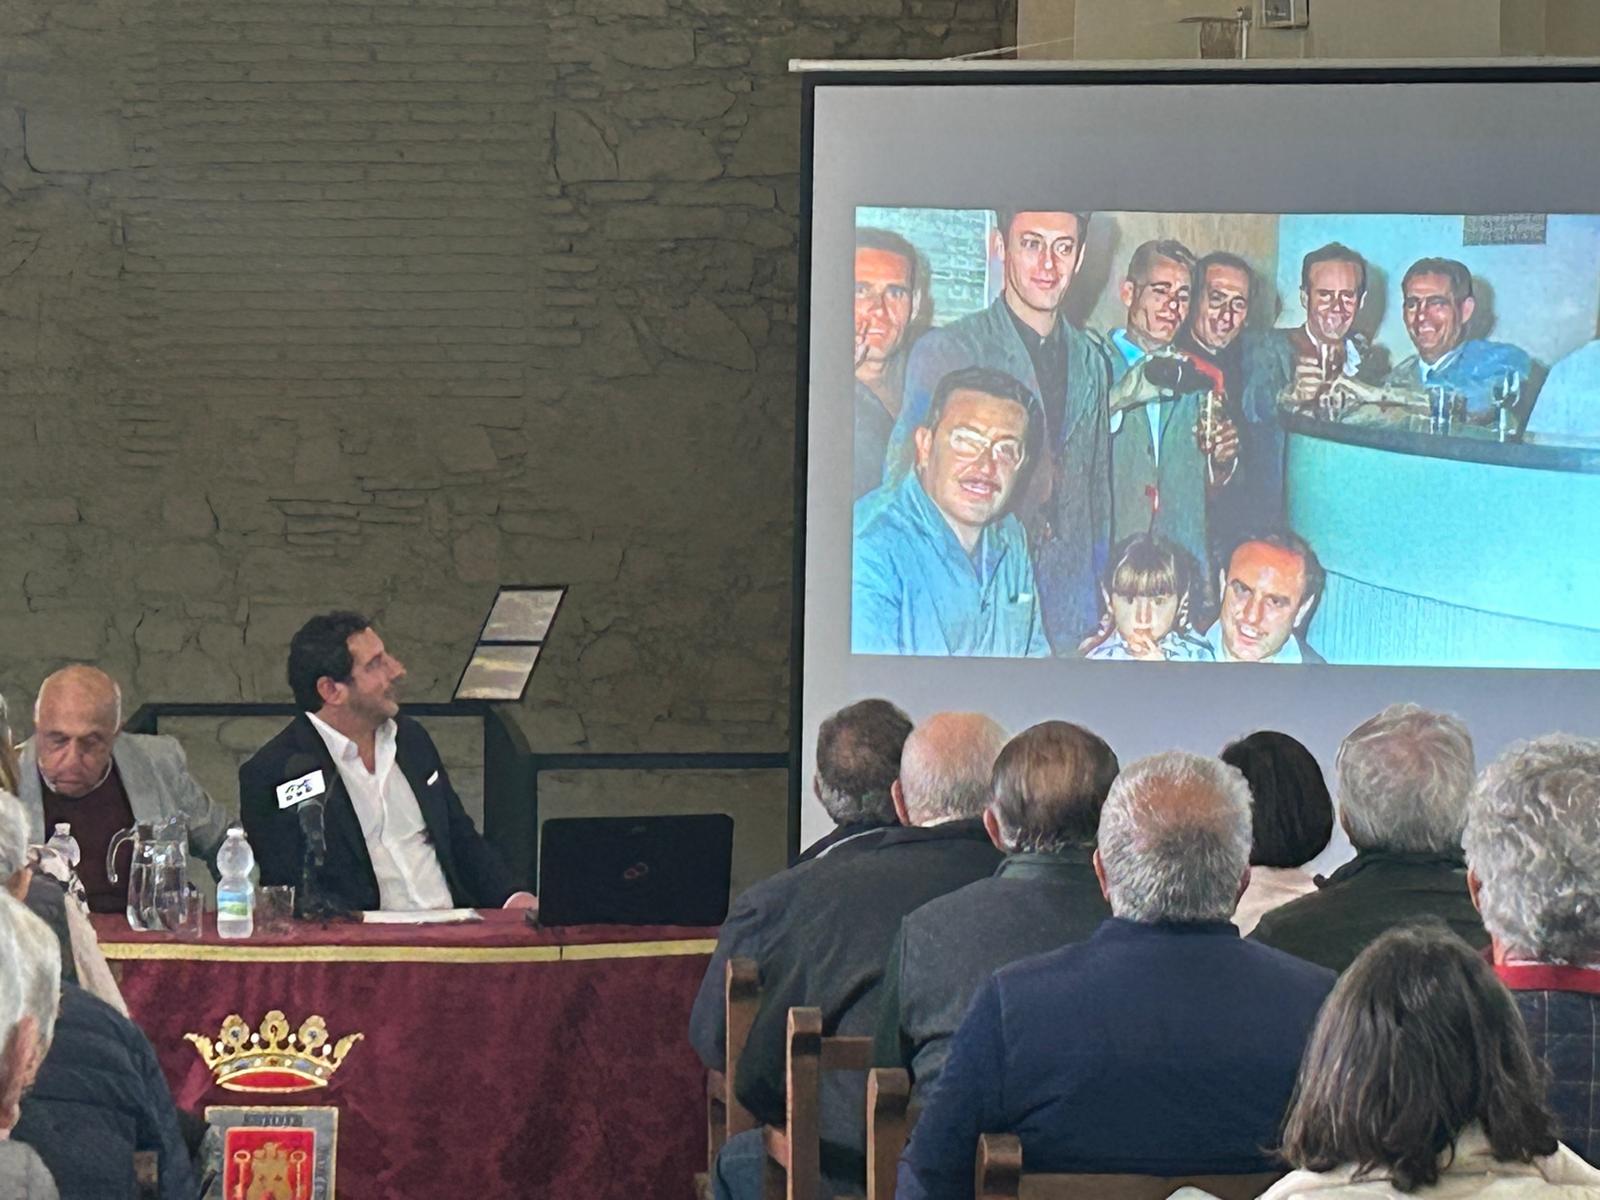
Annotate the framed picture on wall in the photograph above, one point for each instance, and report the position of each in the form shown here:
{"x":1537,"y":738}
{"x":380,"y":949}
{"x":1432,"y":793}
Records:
{"x":1283,"y":14}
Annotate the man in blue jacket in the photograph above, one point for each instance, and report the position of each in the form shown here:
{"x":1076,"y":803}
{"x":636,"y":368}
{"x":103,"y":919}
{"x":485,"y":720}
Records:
{"x":940,"y":566}
{"x":1163,"y":1045}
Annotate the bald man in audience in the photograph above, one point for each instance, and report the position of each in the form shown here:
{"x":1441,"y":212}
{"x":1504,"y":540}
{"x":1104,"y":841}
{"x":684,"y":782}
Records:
{"x":822,"y":931}
{"x":79,"y":767}
{"x":1533,"y":868}
{"x":1404,"y":779}
{"x":1162,"y":1045}
{"x":1046,"y":792}
{"x":30,"y":974}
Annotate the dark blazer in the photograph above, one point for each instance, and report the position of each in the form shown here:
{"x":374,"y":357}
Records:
{"x":476,"y":876}
{"x":1372,"y":893}
{"x":1159,"y":1049}
{"x":947,"y":948}
{"x":100,"y":1097}
{"x":840,"y":833}
{"x":826,"y":947}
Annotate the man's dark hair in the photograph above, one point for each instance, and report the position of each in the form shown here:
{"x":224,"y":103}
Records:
{"x":1285,"y":539}
{"x":1148,"y":253}
{"x":858,"y":759}
{"x":321,"y":647}
{"x":1049,"y":784}
{"x":1417,"y":1041}
{"x":1333,"y":252}
{"x":1456,"y":272}
{"x":1292,"y":813}
{"x":987,"y":380}
{"x":1221,"y":258}
{"x":1004,"y":216}
{"x":869,"y":238}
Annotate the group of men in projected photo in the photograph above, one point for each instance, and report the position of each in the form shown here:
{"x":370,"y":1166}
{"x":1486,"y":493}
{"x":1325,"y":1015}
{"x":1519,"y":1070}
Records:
{"x":1026,"y":487}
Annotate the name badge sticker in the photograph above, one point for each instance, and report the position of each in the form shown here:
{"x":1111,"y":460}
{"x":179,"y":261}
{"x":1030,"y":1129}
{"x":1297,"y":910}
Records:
{"x":296,"y":790}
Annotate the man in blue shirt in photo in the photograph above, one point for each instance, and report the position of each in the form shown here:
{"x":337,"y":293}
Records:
{"x":940,"y":564}
{"x":1438,"y":307}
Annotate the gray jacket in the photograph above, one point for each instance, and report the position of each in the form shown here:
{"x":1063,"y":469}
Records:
{"x":946,"y":949}
{"x":155,"y":774}
{"x":23,"y":1175}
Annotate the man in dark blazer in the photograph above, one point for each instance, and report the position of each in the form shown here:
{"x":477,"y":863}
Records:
{"x":350,"y":802}
{"x":822,"y":937}
{"x":1405,"y":777}
{"x":1048,"y":786}
{"x":1163,"y":1045}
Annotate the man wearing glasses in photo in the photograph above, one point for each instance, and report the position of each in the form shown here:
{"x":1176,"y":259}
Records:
{"x":940,"y":564}
{"x":1167,"y":448}
{"x":1438,"y":307}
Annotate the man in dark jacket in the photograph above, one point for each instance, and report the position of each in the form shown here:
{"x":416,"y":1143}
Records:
{"x":1533,"y":852}
{"x":350,"y":803}
{"x":1048,"y":786}
{"x":100,"y":1097}
{"x":821,"y":939}
{"x":1404,"y":779}
{"x":1163,"y":1045}
{"x":858,"y":760}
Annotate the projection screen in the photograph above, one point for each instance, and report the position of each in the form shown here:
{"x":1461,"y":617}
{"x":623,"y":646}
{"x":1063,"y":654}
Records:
{"x":1123,"y":389}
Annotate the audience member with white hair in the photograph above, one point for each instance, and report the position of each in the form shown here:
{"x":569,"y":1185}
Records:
{"x":1163,"y":1045}
{"x":99,"y":1094}
{"x":81,"y":959}
{"x":821,"y":933}
{"x":30,"y":966}
{"x":1404,"y":779}
{"x":1533,"y":853}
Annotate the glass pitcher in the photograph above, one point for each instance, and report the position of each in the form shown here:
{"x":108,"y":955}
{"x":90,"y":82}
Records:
{"x":158,"y":873}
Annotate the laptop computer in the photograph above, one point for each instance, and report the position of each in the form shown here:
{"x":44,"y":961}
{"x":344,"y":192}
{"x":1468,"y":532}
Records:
{"x":671,"y":870}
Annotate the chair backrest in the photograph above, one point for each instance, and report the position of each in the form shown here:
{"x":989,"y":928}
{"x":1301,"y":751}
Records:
{"x":890,"y":1120}
{"x":741,"y":998}
{"x":1001,"y":1177}
{"x":794,"y":1153}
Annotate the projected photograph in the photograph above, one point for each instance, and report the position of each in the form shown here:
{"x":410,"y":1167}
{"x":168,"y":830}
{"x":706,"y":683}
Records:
{"x":1346,"y":438}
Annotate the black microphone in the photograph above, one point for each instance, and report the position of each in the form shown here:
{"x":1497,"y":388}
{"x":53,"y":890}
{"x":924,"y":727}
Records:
{"x":312,"y":811}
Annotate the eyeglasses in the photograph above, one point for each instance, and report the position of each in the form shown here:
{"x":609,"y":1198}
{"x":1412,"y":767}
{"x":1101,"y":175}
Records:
{"x":968,"y":445}
{"x":1217,"y":302}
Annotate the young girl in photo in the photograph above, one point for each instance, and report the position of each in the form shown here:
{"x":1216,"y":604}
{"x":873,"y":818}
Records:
{"x":1147,"y":606}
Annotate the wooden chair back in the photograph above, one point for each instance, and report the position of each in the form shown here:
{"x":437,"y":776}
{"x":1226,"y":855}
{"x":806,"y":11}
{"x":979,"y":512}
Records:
{"x":890,"y":1120}
{"x":741,"y":997}
{"x":1001,"y":1177}
{"x":794,"y":1153}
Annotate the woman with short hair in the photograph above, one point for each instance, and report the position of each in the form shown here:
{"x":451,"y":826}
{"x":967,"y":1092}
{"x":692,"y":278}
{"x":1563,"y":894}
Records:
{"x":1418,"y":1081}
{"x":1291,"y":818}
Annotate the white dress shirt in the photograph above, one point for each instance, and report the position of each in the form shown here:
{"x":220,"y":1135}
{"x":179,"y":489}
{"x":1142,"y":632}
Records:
{"x":403,"y":858}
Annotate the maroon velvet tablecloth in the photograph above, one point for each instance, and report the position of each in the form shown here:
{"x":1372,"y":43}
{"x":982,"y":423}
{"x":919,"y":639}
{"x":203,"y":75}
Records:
{"x":498,"y":1060}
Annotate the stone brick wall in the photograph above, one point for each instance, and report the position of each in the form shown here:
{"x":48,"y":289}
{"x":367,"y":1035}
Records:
{"x":379,"y":303}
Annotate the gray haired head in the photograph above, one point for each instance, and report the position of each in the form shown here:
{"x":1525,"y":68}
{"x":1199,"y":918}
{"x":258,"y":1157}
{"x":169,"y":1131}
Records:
{"x":1533,"y":842}
{"x":1404,"y":779}
{"x":946,"y":764}
{"x":13,"y":836}
{"x":36,"y":964}
{"x":1175,"y":839}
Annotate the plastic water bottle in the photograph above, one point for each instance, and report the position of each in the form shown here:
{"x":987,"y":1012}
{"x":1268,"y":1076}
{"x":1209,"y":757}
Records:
{"x":236,"y":895}
{"x":64,"y":844}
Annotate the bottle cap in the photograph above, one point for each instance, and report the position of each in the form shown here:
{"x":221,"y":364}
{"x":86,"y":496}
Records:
{"x":64,"y":828}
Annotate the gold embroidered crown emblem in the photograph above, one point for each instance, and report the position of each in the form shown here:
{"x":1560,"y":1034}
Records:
{"x":272,"y":1058}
